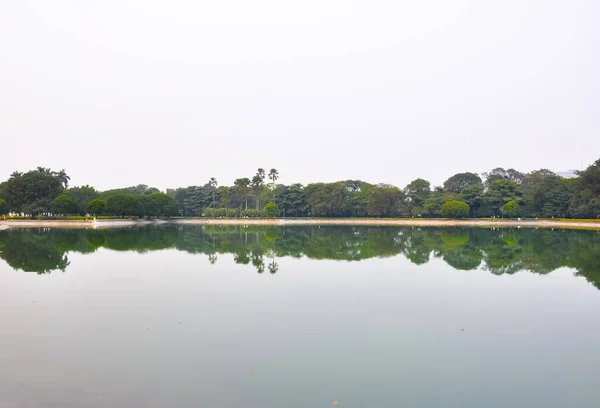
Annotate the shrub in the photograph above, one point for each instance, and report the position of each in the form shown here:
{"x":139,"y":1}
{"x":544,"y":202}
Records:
{"x":232,"y":212}
{"x":511,"y":209}
{"x":271,"y":210}
{"x":455,"y":209}
{"x":252,"y":213}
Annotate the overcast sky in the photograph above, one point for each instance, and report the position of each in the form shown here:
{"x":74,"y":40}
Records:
{"x":171,"y":93}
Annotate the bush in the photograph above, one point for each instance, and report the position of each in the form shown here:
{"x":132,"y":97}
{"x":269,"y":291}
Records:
{"x":511,"y":209}
{"x":232,"y":213}
{"x":455,"y":209}
{"x":271,"y":210}
{"x":252,"y":213}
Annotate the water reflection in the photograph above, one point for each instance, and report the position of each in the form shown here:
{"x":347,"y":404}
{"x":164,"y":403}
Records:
{"x":499,"y":251}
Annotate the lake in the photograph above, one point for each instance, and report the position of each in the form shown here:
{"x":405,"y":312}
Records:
{"x":227,"y":316}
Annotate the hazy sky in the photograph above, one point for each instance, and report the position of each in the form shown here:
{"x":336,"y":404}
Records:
{"x":170,"y":93}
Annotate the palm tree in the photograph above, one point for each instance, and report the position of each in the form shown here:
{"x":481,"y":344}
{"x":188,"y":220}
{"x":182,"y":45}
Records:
{"x":257,"y":183}
{"x":261,"y":173}
{"x":213,"y":183}
{"x":226,"y":198}
{"x":273,"y":176}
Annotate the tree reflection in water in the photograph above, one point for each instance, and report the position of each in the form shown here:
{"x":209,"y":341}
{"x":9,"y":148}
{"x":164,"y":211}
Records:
{"x":499,"y":251}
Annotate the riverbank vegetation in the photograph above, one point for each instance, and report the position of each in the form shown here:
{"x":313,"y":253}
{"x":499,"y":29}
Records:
{"x":498,"y":193}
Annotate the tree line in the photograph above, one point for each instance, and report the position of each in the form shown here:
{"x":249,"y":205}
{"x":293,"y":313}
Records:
{"x":497,"y":193}
{"x":498,"y":251}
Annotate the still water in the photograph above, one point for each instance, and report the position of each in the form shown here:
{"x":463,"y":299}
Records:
{"x":299,"y":317}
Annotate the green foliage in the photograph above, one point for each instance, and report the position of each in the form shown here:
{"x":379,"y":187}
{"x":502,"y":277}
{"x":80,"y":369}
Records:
{"x":242,"y":189}
{"x":271,"y":210}
{"x":64,"y":204}
{"x":417,"y":192}
{"x":292,"y":200}
{"x":458,"y":182}
{"x":511,"y":209}
{"x":158,"y":204}
{"x":435,"y":201}
{"x":586,"y":193}
{"x":257,"y":185}
{"x":3,"y":207}
{"x":96,"y":207}
{"x":124,"y":204}
{"x":32,"y":192}
{"x":82,"y":196}
{"x":540,"y":193}
{"x":502,"y":174}
{"x":385,"y":201}
{"x":252,"y":213}
{"x":455,"y":209}
{"x":501,"y":251}
{"x":140,"y":189}
{"x":501,"y":191}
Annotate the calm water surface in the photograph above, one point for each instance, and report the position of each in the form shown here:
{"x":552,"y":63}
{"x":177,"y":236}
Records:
{"x":299,"y":317}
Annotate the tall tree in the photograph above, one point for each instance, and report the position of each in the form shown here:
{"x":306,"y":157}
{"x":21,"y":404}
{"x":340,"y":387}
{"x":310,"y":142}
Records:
{"x":586,"y":193}
{"x":417,"y":192}
{"x":273,"y":176}
{"x":242,"y":186}
{"x":225,"y":197}
{"x":473,"y":196}
{"x":257,"y":185}
{"x":502,"y":174}
{"x":64,"y":205}
{"x":213,"y":184}
{"x":458,"y":182}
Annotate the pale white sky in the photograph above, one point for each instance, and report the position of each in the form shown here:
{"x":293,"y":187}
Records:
{"x":172,"y":93}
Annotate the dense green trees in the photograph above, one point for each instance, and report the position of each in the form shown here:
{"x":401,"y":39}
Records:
{"x":155,"y":204}
{"x":460,"y":181}
{"x":82,"y":196}
{"x":540,"y":193}
{"x":124,"y":204}
{"x":385,"y":201}
{"x":586,"y":193}
{"x":159,"y":204}
{"x":32,"y":192}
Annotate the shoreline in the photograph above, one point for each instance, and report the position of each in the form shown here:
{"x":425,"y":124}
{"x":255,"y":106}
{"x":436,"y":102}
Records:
{"x":299,"y":222}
